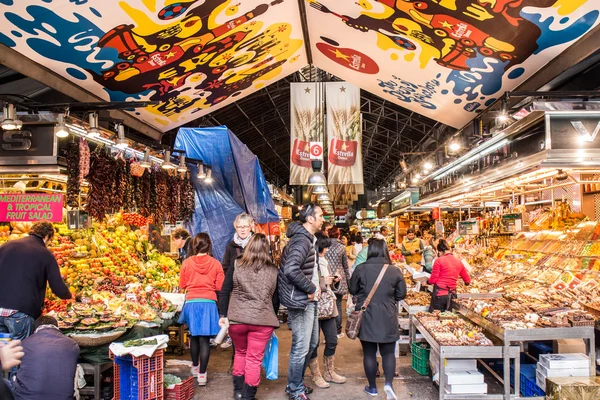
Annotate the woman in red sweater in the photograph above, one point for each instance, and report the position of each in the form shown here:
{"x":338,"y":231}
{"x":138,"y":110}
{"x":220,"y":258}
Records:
{"x":202,"y":277}
{"x":446,"y":270}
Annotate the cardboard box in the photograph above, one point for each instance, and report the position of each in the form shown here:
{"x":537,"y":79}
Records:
{"x":461,"y":364}
{"x":478,"y":388}
{"x":552,"y":361}
{"x":573,"y":388}
{"x":460,"y":377}
{"x":565,"y":346}
{"x":563,"y":372}
{"x":540,"y":379}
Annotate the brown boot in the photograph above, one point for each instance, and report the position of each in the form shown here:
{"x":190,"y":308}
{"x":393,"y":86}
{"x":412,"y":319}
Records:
{"x":316,"y":374}
{"x":330,"y":375}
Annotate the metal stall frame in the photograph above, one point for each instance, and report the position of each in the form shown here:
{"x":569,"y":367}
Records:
{"x":510,"y":336}
{"x":468,"y":352}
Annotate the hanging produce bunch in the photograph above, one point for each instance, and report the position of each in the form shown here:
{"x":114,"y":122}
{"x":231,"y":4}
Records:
{"x":101,"y":179}
{"x":74,"y":169}
{"x":187,"y":199}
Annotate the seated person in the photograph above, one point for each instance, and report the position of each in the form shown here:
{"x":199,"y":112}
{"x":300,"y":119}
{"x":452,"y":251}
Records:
{"x":48,"y":367}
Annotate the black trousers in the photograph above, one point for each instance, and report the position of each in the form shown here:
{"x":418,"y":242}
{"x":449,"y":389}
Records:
{"x":328,"y":327}
{"x":338,"y":319}
{"x":439,"y":303}
{"x":388,"y":358}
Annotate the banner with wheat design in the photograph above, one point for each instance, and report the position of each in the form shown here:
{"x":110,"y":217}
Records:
{"x":307,"y":126}
{"x":344,"y":134}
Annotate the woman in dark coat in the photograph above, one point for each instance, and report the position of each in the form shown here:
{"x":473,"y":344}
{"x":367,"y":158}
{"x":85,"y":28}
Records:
{"x":380,"y":321}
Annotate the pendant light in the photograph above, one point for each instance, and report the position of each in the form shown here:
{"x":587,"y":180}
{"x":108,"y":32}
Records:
{"x":168,"y":164}
{"x":93,"y":130}
{"x":320,"y":189}
{"x":146,"y":163}
{"x":208,"y":178}
{"x":201,"y":172}
{"x":323,"y":197}
{"x":122,"y":143}
{"x":10,"y":121}
{"x":182,"y":167}
{"x":61,"y":129}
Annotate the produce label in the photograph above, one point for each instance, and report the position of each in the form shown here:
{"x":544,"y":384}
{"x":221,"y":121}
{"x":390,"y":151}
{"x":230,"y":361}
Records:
{"x":31,"y":207}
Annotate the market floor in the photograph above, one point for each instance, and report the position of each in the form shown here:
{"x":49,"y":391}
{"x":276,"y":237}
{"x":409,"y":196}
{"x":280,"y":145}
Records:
{"x":409,"y":385}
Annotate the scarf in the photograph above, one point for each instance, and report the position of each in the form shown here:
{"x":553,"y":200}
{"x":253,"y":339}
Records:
{"x":241,"y":242}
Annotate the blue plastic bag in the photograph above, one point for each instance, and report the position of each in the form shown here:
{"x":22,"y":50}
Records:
{"x":271,"y":359}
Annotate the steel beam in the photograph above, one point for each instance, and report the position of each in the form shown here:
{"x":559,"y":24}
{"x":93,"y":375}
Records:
{"x":18,"y":62}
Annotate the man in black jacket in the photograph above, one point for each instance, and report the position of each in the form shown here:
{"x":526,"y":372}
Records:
{"x":183,"y":242}
{"x":26,"y":267}
{"x":298,"y":282}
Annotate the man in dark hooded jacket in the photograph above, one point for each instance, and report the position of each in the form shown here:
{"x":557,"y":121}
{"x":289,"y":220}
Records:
{"x":298,"y":282}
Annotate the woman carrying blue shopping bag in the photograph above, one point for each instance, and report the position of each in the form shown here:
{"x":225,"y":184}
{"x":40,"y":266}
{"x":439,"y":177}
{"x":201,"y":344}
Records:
{"x":248,"y":301}
{"x":271,"y":360}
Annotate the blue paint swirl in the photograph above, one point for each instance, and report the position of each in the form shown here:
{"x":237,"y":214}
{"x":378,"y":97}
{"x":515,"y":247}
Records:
{"x":77,"y":74}
{"x":6,"y":40}
{"x":6,"y":2}
{"x":516,"y":73}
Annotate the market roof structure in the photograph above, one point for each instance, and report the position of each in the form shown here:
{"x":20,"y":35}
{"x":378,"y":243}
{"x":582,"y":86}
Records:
{"x":422,"y":65}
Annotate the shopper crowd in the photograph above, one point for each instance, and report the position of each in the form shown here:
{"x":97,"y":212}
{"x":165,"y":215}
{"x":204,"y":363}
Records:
{"x":320,"y":266}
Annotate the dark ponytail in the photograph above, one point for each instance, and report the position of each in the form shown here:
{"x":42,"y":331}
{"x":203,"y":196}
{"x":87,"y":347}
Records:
{"x":201,"y":244}
{"x":443,"y":246}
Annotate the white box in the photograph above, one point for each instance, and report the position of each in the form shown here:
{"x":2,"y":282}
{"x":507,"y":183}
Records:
{"x":404,"y":339}
{"x":460,"y":377}
{"x":575,"y":360}
{"x":563,"y":372}
{"x":478,"y":388}
{"x":540,"y":379}
{"x":404,"y":323}
{"x":463,"y":364}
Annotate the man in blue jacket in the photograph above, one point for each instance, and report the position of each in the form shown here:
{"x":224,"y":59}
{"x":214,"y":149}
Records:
{"x":298,"y":282}
{"x":48,"y":367}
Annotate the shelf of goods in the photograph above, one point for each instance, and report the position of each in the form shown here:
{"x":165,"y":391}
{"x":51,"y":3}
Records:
{"x":117,"y":275}
{"x":452,"y":337}
{"x":514,"y":323}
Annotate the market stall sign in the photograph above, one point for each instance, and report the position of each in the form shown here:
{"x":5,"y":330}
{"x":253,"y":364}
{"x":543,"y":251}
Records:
{"x":31,"y":207}
{"x":468,"y":228}
{"x":33,"y":144}
{"x":573,"y":130}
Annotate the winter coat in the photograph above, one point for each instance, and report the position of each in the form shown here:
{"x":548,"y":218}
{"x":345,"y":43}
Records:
{"x":297,"y":265}
{"x":338,"y":264}
{"x":202,"y":276}
{"x":380,"y":320}
{"x":249,"y":297}
{"x":47,"y":370}
{"x":232,"y":251}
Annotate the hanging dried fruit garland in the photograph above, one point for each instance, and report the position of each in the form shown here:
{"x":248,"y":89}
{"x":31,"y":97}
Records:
{"x":162,"y":191}
{"x":174,"y":198}
{"x":129,"y":192}
{"x":120,"y":184}
{"x":187,"y":199}
{"x":84,"y":159}
{"x":73,"y":183}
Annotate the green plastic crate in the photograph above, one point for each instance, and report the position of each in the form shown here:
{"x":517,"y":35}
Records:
{"x":420,"y":358}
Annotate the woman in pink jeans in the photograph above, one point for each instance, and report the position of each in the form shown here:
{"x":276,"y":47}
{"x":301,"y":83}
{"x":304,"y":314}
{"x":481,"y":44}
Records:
{"x":249,"y":300}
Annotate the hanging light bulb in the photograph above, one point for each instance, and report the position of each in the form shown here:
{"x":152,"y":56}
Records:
{"x":208,"y":178}
{"x":146,"y":163}
{"x":93,"y":130}
{"x":454,"y":147}
{"x":122,"y":143}
{"x":168,"y":164}
{"x":201,"y":172}
{"x":427,"y":166}
{"x":323,"y":197}
{"x":182,"y":167}
{"x":61,"y":129}
{"x":320,"y":189}
{"x":10,"y":121}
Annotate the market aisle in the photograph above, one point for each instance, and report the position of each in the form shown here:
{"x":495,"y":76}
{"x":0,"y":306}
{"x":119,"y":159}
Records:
{"x":348,"y":360}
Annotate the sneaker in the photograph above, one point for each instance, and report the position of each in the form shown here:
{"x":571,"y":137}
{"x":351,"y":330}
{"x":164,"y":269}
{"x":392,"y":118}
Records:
{"x":301,"y":396}
{"x":371,"y":392}
{"x":194,"y":371}
{"x":389,"y":391}
{"x":341,"y":335}
{"x":202,"y":378}
{"x":307,"y":389}
{"x":226,"y":344}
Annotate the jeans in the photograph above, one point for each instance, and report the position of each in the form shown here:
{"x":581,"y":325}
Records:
{"x":338,"y":319}
{"x":328,"y":326}
{"x":250,"y":342}
{"x":19,"y":325}
{"x":305,"y":339}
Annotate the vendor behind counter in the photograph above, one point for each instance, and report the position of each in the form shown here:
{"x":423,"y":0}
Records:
{"x":447,"y":268}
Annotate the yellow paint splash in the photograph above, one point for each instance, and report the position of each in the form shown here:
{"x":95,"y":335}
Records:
{"x":566,"y":7}
{"x":161,"y":121}
{"x":150,"y":5}
{"x":409,"y":57}
{"x":394,"y":56}
{"x":259,"y":85}
{"x":212,"y":19}
{"x":144,"y":25}
{"x":232,"y":10}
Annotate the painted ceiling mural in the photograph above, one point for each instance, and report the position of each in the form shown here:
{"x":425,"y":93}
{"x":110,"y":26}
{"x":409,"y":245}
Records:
{"x":192,"y":56}
{"x":446,"y":59}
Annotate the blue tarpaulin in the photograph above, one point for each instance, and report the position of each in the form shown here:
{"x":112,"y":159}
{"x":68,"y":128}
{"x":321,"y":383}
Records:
{"x":238,"y":183}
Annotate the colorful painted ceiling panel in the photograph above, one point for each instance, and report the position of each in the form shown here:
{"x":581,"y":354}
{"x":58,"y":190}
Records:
{"x":192,"y":56}
{"x":445,"y":59}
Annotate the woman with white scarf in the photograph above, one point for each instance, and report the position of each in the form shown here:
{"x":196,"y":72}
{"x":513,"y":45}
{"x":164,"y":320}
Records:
{"x":244,"y":225}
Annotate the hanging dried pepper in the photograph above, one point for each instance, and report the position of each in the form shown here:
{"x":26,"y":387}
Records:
{"x":73,"y":182}
{"x":152,"y":193}
{"x":101,"y":180}
{"x":129,"y":193}
{"x":120,"y":183}
{"x":187,"y":198}
{"x":161,"y":195}
{"x":84,"y":159}
{"x":173,"y":199}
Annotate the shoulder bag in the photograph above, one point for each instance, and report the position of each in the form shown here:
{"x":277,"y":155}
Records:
{"x":355,"y":318}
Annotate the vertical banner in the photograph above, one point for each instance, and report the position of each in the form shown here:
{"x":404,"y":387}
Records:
{"x":344,"y":134}
{"x":307,"y":129}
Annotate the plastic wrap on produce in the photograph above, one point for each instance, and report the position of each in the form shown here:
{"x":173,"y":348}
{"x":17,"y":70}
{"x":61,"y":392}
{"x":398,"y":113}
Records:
{"x":238,"y":183}
{"x":573,"y":388}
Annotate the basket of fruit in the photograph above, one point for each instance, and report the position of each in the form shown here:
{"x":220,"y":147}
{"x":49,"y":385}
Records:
{"x":96,"y":339}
